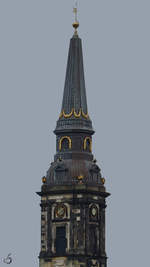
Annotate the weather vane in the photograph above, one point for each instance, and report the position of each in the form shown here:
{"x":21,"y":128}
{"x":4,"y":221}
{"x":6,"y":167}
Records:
{"x":76,"y":23}
{"x":75,"y":10}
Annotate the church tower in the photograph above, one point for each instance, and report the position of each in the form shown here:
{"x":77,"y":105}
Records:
{"x":73,"y":195}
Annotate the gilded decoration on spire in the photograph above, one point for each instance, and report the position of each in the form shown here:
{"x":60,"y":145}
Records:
{"x":74,"y":110}
{"x":74,"y":113}
{"x":76,"y":23}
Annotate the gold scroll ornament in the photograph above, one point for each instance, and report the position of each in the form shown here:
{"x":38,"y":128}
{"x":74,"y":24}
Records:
{"x":74,"y":113}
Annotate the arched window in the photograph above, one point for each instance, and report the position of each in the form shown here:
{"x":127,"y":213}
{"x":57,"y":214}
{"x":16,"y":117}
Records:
{"x":65,"y":143}
{"x":88,"y":144}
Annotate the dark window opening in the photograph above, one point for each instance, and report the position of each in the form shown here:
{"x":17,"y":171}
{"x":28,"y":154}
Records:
{"x":88,"y":145}
{"x":65,"y":144}
{"x":61,"y":241}
{"x":93,"y":240}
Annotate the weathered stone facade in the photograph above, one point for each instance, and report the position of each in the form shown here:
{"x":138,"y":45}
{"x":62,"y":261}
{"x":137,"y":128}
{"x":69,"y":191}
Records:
{"x":82,"y":216}
{"x":73,"y":193}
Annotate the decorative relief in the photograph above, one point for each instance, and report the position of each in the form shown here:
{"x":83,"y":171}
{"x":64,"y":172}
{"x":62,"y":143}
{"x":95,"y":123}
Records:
{"x":77,"y":115}
{"x":93,"y":212}
{"x":62,"y":139}
{"x":74,"y":113}
{"x":94,"y":263}
{"x":59,"y":263}
{"x":65,"y":115}
{"x":80,"y":179}
{"x":60,"y":211}
{"x":86,"y":116}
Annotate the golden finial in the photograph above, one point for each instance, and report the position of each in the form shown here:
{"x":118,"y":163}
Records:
{"x":44,"y":180}
{"x":80,"y":177}
{"x":76,"y":23}
{"x":103,"y":180}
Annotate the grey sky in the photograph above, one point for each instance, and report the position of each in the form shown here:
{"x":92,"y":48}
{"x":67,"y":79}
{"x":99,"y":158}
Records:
{"x":33,"y":56}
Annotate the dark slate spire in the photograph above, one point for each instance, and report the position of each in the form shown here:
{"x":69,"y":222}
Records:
{"x":74,"y":111}
{"x":73,"y":192}
{"x":74,"y":90}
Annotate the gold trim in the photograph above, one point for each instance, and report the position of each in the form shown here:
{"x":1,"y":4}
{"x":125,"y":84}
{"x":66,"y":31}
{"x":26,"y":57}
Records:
{"x":85,"y":143}
{"x":44,"y":180}
{"x":77,"y":115}
{"x":62,"y":138}
{"x":73,"y":112}
{"x":80,"y":177}
{"x":85,"y":115}
{"x":61,"y":115}
{"x":103,"y":180}
{"x":67,"y":115}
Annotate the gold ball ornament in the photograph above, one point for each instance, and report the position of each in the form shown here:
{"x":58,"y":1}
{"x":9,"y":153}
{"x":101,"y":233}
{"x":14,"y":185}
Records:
{"x":43,"y":179}
{"x":103,"y":180}
{"x":75,"y":24}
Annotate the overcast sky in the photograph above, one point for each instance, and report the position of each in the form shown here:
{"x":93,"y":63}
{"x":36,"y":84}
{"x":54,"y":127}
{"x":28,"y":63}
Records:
{"x":34,"y":41}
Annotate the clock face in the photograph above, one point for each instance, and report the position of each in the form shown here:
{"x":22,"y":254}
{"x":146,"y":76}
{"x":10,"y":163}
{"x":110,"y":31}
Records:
{"x":94,"y":211}
{"x":60,"y":211}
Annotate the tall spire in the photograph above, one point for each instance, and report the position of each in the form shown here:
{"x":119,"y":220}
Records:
{"x":73,"y":192}
{"x":74,"y":90}
{"x":74,"y":111}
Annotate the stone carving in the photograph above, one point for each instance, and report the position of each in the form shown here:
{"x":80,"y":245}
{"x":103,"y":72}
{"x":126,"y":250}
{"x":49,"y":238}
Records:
{"x":93,"y":263}
{"x":59,"y":263}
